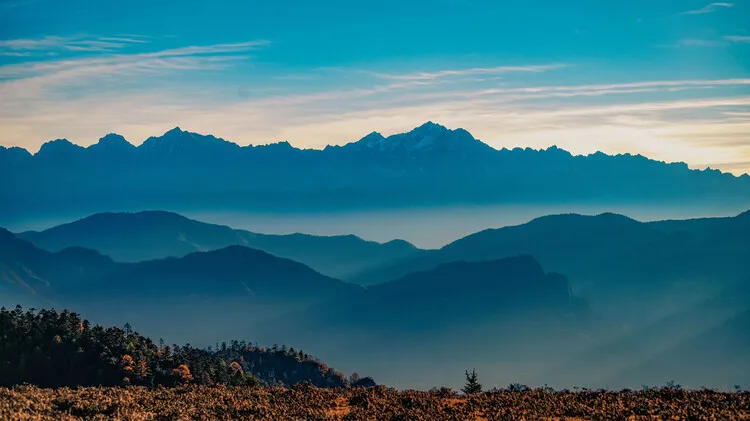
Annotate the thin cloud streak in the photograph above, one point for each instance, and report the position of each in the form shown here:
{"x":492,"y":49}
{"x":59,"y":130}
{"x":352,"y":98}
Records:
{"x":708,"y":9}
{"x":611,"y":88}
{"x":695,"y":42}
{"x":738,"y":38}
{"x":184,"y":58}
{"x":208,"y":49}
{"x":44,"y":43}
{"x":12,"y":4}
{"x":124,"y":39}
{"x":71,"y":43}
{"x":466,"y":72}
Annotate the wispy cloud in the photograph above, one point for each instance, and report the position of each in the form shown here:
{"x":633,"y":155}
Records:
{"x":738,"y":38}
{"x":183,"y":58}
{"x":468,"y":72}
{"x":15,"y":53}
{"x":694,"y":42}
{"x":708,"y":9}
{"x":13,"y":4}
{"x":540,"y":92}
{"x":208,"y":49}
{"x":132,"y":39}
{"x":34,"y":44}
{"x":49,"y":44}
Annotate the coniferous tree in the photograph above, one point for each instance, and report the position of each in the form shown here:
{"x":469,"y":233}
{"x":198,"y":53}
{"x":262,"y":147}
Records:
{"x":472,"y":383}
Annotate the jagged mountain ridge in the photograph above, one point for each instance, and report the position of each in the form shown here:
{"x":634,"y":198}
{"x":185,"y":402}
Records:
{"x":427,"y":137}
{"x":430,"y":165}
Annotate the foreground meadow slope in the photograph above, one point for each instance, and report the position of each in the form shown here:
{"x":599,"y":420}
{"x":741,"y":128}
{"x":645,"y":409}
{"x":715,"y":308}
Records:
{"x":308,"y":403}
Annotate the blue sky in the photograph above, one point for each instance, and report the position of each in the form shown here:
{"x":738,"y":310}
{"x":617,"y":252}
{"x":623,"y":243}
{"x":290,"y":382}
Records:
{"x":668,"y":79}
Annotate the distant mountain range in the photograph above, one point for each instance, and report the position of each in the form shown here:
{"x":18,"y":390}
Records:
{"x":148,"y":235}
{"x":430,"y":165}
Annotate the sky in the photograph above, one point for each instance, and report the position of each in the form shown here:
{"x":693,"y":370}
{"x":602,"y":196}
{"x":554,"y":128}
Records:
{"x":666,"y":79}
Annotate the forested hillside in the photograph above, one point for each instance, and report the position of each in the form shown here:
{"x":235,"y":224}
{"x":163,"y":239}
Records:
{"x":55,"y":349}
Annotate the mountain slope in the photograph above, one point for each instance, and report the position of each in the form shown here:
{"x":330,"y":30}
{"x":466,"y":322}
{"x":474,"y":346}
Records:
{"x":633,"y":271}
{"x":506,"y":311}
{"x":25,"y":268}
{"x":229,"y":272}
{"x":430,"y":165}
{"x":133,"y":237}
{"x":577,"y":242}
{"x":203,"y":295}
{"x":460,"y":292}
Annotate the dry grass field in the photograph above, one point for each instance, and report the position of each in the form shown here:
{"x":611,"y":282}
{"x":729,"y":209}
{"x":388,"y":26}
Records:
{"x":192,"y":402}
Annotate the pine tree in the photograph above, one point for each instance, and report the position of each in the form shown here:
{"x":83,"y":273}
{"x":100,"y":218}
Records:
{"x":472,"y":383}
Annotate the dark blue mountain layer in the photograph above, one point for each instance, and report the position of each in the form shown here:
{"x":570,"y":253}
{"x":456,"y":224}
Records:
{"x":149,"y":235}
{"x":430,"y":165}
{"x":234,"y":271}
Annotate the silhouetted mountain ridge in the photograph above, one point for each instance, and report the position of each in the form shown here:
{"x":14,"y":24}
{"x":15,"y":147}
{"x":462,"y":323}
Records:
{"x":629,"y":270}
{"x":78,"y":273}
{"x":228,"y":272}
{"x":470,"y":294}
{"x":33,"y":271}
{"x":430,"y":165}
{"x":148,"y":235}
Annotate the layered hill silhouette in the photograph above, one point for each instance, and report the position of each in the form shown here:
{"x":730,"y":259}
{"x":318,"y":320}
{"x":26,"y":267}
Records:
{"x":211,"y":291}
{"x":26,"y":268}
{"x":430,"y":165}
{"x":229,"y":272}
{"x":633,"y":297}
{"x":149,"y":235}
{"x":505,"y":311}
{"x":457,"y":293}
{"x":81,"y":274}
{"x":613,"y":260}
{"x":203,"y":295}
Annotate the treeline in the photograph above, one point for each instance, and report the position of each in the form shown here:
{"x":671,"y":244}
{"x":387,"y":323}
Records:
{"x":56,"y":349}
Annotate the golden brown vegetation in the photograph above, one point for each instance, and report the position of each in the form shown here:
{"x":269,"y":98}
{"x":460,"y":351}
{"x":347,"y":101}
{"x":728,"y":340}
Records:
{"x":303,"y":402}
